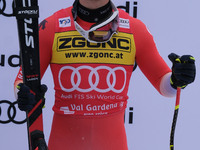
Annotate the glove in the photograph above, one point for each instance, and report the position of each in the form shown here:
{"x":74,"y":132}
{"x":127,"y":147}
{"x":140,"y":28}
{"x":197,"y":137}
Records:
{"x":26,"y":98}
{"x":183,"y":70}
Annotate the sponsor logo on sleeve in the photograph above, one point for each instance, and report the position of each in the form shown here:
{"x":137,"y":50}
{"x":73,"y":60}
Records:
{"x":64,"y":22}
{"x":124,"y":23}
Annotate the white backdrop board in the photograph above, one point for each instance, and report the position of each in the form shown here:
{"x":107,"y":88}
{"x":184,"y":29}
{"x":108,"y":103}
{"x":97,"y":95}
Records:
{"x":175,"y":27}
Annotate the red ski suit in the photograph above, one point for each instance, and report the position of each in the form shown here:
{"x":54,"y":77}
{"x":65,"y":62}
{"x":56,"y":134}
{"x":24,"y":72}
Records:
{"x":92,"y":79}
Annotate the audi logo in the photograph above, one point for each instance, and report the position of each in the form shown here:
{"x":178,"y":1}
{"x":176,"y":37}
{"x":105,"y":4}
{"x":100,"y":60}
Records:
{"x":93,"y":85}
{"x":10,"y":113}
{"x":3,"y":9}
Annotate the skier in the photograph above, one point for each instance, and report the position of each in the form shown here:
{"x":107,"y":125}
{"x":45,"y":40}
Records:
{"x":92,"y":48}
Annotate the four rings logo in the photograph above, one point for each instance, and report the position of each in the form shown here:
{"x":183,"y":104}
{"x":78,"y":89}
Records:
{"x":3,"y":9}
{"x":10,"y":113}
{"x":93,"y":81}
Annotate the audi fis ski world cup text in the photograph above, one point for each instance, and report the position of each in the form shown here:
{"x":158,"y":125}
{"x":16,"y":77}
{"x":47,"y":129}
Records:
{"x":92,"y":97}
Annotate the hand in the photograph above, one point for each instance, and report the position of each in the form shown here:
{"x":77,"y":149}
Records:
{"x":183,"y":70}
{"x":26,"y":99}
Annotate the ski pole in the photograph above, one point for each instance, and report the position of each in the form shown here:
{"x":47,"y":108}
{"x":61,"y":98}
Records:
{"x":175,"y":118}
